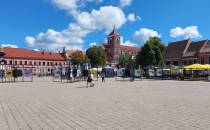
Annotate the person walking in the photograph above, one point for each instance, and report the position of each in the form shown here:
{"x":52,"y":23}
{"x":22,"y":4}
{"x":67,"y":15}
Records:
{"x":90,"y":80}
{"x":103,"y":76}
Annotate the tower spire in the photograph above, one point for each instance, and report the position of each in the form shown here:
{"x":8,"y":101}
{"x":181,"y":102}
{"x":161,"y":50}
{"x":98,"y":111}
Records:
{"x":114,"y":32}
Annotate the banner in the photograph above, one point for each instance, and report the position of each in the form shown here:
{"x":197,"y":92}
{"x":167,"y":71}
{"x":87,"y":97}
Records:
{"x":27,"y":73}
{"x":17,"y":73}
{"x":2,"y":74}
{"x":9,"y":73}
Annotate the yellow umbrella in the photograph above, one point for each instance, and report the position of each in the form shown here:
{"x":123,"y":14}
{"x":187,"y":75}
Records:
{"x":166,"y":69}
{"x":196,"y":67}
{"x":207,"y":66}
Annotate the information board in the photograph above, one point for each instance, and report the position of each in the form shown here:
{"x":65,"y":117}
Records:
{"x":27,"y":73}
{"x":9,"y":73}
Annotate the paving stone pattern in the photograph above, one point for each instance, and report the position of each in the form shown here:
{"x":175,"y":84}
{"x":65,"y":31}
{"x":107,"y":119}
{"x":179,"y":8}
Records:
{"x":114,"y":105}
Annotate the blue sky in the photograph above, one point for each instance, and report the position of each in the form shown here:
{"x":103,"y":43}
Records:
{"x":52,"y":24}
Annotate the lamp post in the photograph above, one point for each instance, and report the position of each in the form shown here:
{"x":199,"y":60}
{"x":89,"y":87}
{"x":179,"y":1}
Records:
{"x":132,"y":67}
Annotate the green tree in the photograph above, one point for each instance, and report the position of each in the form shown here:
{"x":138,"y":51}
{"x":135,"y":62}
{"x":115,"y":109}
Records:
{"x":151,"y":53}
{"x":124,"y":60}
{"x":97,"y":56}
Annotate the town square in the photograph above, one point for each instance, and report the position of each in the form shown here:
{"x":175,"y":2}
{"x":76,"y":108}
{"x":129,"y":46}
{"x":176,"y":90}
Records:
{"x":104,"y":65}
{"x":114,"y":105}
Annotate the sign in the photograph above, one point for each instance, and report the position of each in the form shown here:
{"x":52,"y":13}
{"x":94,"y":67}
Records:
{"x":137,"y":73}
{"x":17,"y":73}
{"x":27,"y":73}
{"x":57,"y":74}
{"x":2,"y":74}
{"x":9,"y":73}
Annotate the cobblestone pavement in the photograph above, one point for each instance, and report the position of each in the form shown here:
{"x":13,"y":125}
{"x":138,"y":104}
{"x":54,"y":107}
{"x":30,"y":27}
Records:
{"x":114,"y":105}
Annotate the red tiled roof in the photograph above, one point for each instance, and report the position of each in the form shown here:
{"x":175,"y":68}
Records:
{"x":20,"y":53}
{"x":176,"y":49}
{"x":70,"y":53}
{"x":130,"y":48}
{"x":206,"y":48}
{"x":194,"y":48}
{"x":124,"y":48}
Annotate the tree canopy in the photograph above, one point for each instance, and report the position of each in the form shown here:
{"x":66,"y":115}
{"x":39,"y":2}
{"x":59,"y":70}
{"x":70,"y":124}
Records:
{"x":78,"y":57}
{"x":151,"y":53}
{"x":125,"y":60}
{"x":97,"y":56}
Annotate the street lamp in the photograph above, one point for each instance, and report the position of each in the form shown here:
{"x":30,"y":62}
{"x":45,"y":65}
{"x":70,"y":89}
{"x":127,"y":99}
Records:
{"x":132,"y":67}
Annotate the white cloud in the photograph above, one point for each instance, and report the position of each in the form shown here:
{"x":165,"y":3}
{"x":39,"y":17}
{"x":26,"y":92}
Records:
{"x":105,"y":18}
{"x":97,"y":1}
{"x":68,"y":5}
{"x":53,"y":40}
{"x":127,"y":43}
{"x":188,"y":32}
{"x":143,"y":34}
{"x":132,"y":18}
{"x":124,"y":3}
{"x":30,"y":40}
{"x":92,"y":44}
{"x":36,"y":50}
{"x":9,"y":45}
{"x":72,"y":38}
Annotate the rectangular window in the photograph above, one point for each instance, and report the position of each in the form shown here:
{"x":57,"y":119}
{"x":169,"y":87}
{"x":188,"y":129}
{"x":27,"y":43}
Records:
{"x":43,"y":63}
{"x":48,"y":63}
{"x":10,"y":62}
{"x":30,"y":63}
{"x":25,"y":62}
{"x":16,"y":63}
{"x":21,"y":63}
{"x":34,"y":62}
{"x":39,"y":63}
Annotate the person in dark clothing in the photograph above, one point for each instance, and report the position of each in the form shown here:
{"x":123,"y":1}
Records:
{"x":89,"y":81}
{"x":103,"y":76}
{"x":69,"y":73}
{"x":85,"y":74}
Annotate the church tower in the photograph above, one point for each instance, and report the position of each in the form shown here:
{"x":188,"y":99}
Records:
{"x":114,"y":42}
